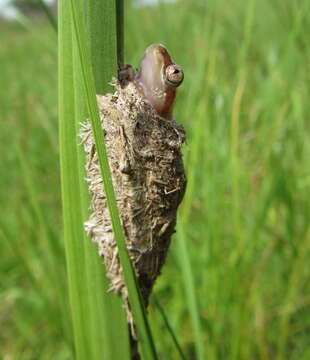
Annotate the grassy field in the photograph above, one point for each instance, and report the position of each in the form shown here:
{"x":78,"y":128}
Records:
{"x":245,"y":218}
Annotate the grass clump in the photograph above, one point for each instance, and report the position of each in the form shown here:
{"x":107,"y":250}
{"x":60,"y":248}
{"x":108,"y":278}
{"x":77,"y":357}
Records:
{"x":245,"y":221}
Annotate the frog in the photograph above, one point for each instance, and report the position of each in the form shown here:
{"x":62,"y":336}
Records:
{"x":157,"y":79}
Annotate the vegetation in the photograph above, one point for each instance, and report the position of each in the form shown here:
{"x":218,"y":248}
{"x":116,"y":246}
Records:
{"x":235,"y":285}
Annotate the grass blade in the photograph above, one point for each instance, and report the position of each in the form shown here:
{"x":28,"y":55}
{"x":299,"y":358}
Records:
{"x":93,"y":310}
{"x":190,"y":291}
{"x":48,"y":13}
{"x":146,"y":342}
{"x":72,"y":217}
{"x":120,"y":31}
{"x":169,"y":328}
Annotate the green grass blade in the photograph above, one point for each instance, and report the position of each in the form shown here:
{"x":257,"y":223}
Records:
{"x":45,"y":9}
{"x":94,"y":312}
{"x":120,"y":31}
{"x":113,"y":334}
{"x":190,"y":291}
{"x":145,"y":338}
{"x":169,"y":328}
{"x":48,"y":13}
{"x":101,"y":24}
{"x":72,"y":217}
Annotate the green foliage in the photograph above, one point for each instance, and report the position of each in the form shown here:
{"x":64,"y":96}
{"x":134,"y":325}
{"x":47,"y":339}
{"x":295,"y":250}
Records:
{"x":245,"y":218}
{"x":93,"y":310}
{"x":72,"y":17}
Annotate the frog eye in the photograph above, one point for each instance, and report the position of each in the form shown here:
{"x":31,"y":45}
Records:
{"x":174,"y":75}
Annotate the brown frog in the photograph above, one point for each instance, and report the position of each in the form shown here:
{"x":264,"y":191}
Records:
{"x":157,"y":78}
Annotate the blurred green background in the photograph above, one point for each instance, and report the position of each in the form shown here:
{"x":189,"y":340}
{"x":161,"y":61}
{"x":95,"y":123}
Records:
{"x":245,"y":106}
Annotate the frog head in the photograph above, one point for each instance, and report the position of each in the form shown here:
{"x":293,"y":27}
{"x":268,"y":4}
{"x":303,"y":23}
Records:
{"x":158,"y":78}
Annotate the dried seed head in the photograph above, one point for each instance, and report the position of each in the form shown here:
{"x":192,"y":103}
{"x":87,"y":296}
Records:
{"x":145,"y":159}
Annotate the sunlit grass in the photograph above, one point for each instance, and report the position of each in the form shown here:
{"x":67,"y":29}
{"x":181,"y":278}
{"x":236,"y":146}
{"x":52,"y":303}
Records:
{"x":244,"y":104}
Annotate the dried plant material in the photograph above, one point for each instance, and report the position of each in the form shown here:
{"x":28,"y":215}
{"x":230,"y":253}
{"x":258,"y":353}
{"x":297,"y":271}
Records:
{"x":144,"y":151}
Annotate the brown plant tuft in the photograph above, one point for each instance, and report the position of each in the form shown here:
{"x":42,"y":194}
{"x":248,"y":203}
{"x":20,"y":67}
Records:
{"x":145,"y":159}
